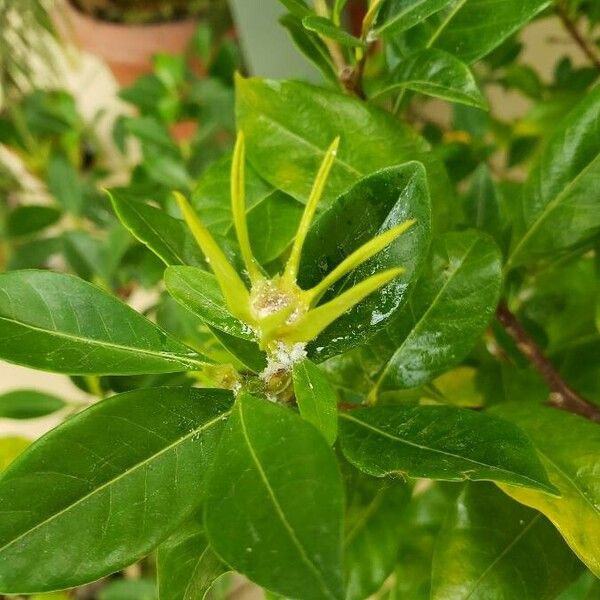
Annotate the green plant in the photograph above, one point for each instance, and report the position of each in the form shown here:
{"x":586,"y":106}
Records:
{"x":384,"y":340}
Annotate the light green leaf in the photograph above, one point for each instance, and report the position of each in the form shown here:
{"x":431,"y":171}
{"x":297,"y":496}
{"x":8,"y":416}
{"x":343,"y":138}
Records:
{"x":186,"y":565}
{"x":440,"y":442}
{"x":274,"y":502}
{"x":436,"y":73}
{"x":492,"y":548}
{"x":569,"y":447}
{"x":290,"y":125}
{"x":60,"y":323}
{"x":327,"y":28}
{"x":127,"y":589}
{"x":470,"y":29}
{"x":560,"y":207}
{"x":166,"y":236}
{"x":374,"y":531}
{"x":116,"y":479}
{"x":396,"y":16}
{"x":28,"y":404}
{"x":63,"y":183}
{"x":199,"y":292}
{"x":449,"y":310}
{"x":375,"y":204}
{"x":297,"y":7}
{"x":10,"y":448}
{"x":316,"y":398}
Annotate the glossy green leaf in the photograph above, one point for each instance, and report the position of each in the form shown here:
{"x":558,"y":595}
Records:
{"x":25,"y":220}
{"x":274,"y":502}
{"x":116,"y":479}
{"x":374,"y":531}
{"x":317,"y":401}
{"x":199,"y":292}
{"x":247,"y":352}
{"x":492,"y":548}
{"x":327,"y":28}
{"x":449,"y":310}
{"x":272,"y":224}
{"x":569,"y":447}
{"x":560,"y":207}
{"x":309,"y":44}
{"x":290,"y":125}
{"x":440,"y":442}
{"x":396,"y":16}
{"x":375,"y":204}
{"x":28,"y":404}
{"x":470,"y":29}
{"x":57,"y":322}
{"x":186,"y":565}
{"x":166,"y":236}
{"x":436,"y":73}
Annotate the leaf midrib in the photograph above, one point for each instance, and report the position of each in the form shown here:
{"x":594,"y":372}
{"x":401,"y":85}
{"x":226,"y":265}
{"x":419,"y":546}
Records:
{"x":181,"y":359}
{"x":438,"y":451}
{"x":114,"y":480}
{"x":279,"y":510}
{"x":549,"y":208}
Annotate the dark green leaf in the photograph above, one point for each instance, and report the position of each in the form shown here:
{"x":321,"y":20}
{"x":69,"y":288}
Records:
{"x":396,"y":16}
{"x":272,"y":224}
{"x":327,"y":28}
{"x":28,"y":404}
{"x":374,"y":530}
{"x":470,"y":29}
{"x":187,"y":567}
{"x":436,"y":73}
{"x":449,"y":310}
{"x":168,"y":237}
{"x":199,"y":292}
{"x":25,"y":220}
{"x":274,"y":502}
{"x":247,"y":352}
{"x":289,"y":126}
{"x":440,"y":442}
{"x":60,"y":323}
{"x":569,"y":448}
{"x":481,"y":203}
{"x":373,"y":205}
{"x":116,"y":479}
{"x":492,"y":548}
{"x":311,"y":46}
{"x":316,"y":398}
{"x":560,"y":204}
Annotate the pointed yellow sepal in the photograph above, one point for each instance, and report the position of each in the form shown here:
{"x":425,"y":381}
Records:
{"x":317,"y":319}
{"x":234,"y":291}
{"x":357,"y":258}
{"x":238,"y":208}
{"x":291,"y":269}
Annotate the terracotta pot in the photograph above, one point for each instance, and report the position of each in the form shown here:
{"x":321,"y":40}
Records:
{"x":128,"y":49}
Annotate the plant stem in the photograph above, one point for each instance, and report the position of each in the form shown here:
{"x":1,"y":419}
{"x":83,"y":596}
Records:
{"x":561,"y":395}
{"x":335,"y":51}
{"x":586,"y":46}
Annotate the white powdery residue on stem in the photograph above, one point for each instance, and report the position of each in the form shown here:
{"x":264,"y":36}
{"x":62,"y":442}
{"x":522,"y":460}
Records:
{"x":283,"y":359}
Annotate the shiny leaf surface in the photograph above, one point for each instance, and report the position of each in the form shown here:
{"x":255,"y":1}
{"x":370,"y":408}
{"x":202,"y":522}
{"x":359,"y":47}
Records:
{"x":492,"y":548}
{"x":449,"y":310}
{"x":317,"y":401}
{"x":440,"y":442}
{"x":373,"y":205}
{"x":561,"y":203}
{"x":60,"y":323}
{"x":569,"y":447}
{"x":436,"y":73}
{"x":396,"y":16}
{"x":117,"y":478}
{"x":274,"y":502}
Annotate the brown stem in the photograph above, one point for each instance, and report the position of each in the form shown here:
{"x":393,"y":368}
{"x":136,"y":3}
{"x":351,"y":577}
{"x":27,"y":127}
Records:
{"x":586,"y":46}
{"x":348,"y":406}
{"x":561,"y":395}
